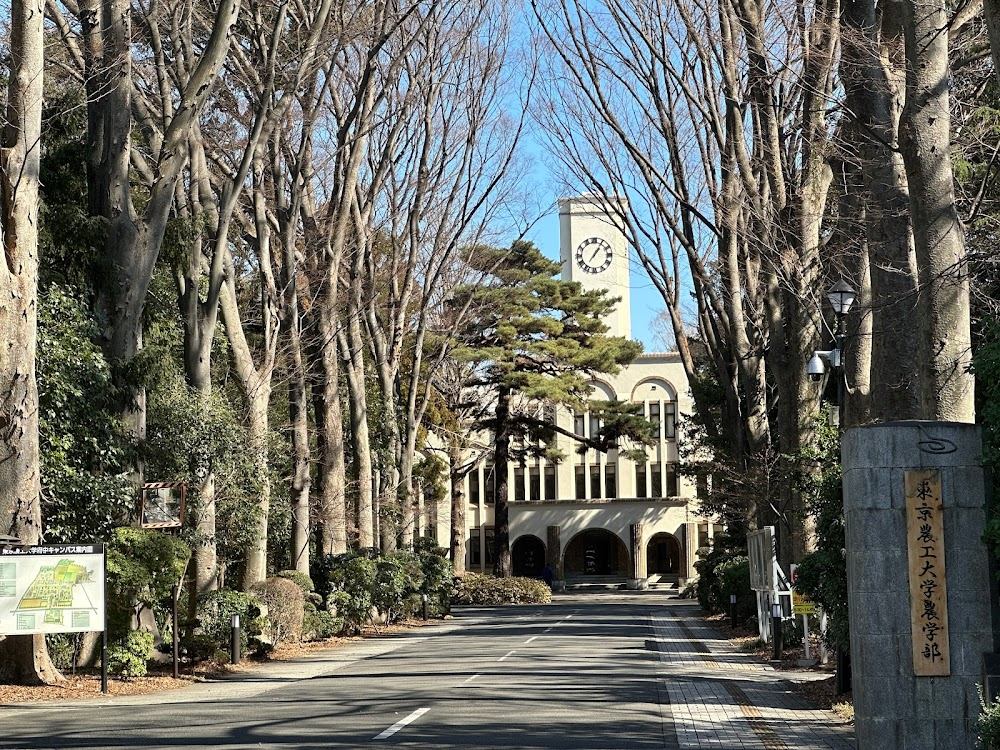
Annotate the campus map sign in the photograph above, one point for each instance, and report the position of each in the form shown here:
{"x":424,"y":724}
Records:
{"x":57,"y":588}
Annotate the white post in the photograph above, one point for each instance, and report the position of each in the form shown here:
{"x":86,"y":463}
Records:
{"x":805,"y":634}
{"x":824,"y":657}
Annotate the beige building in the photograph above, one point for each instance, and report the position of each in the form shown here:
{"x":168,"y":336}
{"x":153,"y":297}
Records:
{"x":600,"y":515}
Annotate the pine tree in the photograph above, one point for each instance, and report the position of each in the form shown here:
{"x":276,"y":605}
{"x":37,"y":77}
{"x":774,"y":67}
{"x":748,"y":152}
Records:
{"x":537,"y":342}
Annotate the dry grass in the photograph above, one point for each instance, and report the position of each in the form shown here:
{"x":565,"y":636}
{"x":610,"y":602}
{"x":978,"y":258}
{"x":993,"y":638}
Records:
{"x":87,"y":683}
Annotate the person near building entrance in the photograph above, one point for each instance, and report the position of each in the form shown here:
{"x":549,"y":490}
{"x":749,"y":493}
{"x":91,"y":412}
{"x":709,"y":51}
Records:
{"x":548,"y":575}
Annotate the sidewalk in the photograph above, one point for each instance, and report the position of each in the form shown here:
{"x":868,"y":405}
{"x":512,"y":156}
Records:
{"x":723,"y":699}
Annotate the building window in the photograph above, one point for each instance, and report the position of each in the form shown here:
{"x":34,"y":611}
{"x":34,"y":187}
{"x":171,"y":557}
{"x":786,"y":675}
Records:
{"x":670,"y":420}
{"x":581,"y":482}
{"x":474,"y":487}
{"x":550,"y":482}
{"x":475,"y":552}
{"x":595,"y":427}
{"x":640,"y":480}
{"x":490,"y":546}
{"x":534,"y":485}
{"x":518,"y":484}
{"x":672,"y":480}
{"x":578,"y":423}
{"x":657,"y":485}
{"x":610,"y":482}
{"x":491,"y":483}
{"x":701,"y":485}
{"x":654,"y":417}
{"x":595,"y":482}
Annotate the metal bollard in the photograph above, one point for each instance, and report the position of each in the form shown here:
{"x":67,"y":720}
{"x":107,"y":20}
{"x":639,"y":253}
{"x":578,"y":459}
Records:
{"x":425,"y":605}
{"x":732,"y":611}
{"x":234,"y":641}
{"x":777,"y":637}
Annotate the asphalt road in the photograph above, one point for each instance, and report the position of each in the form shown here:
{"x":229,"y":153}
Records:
{"x":579,"y":673}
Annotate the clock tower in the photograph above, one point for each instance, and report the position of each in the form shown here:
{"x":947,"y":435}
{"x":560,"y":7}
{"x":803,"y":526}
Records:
{"x":594,"y":252}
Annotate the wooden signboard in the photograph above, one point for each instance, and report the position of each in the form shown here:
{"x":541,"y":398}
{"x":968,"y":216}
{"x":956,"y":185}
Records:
{"x":928,"y":583}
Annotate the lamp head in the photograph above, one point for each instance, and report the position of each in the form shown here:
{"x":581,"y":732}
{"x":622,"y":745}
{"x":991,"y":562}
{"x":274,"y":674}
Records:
{"x":841,"y":296}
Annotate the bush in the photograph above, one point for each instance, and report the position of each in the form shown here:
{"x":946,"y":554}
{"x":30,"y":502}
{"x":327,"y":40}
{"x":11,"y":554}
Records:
{"x":733,"y":577}
{"x":437,"y":583}
{"x":352,"y":577}
{"x":215,"y":611}
{"x":397,"y":576}
{"x":143,"y":566}
{"x":303,"y":581}
{"x":319,"y":624}
{"x":128,"y":659}
{"x":285,"y":605}
{"x":477,"y":588}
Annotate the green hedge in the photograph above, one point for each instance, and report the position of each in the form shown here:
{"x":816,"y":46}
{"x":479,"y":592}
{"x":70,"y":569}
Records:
{"x":476,"y":588}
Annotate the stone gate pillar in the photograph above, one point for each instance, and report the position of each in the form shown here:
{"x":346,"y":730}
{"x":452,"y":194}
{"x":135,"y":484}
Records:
{"x":919,"y":583}
{"x":553,"y":557}
{"x":637,"y":574}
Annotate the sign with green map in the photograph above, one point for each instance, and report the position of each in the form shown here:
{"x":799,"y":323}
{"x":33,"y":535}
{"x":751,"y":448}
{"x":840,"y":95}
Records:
{"x":57,"y":588}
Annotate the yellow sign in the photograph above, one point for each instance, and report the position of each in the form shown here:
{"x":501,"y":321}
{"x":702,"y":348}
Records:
{"x":802,"y":604}
{"x":928,"y":590}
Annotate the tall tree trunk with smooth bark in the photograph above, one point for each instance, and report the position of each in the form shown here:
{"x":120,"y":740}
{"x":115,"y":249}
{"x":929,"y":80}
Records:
{"x":23,"y":659}
{"x":945,"y":351}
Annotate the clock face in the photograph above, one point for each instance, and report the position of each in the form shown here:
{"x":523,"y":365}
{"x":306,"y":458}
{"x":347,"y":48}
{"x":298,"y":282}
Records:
{"x":594,"y":255}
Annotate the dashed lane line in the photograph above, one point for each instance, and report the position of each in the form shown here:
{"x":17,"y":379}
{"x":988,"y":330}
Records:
{"x":400,"y":724}
{"x":507,"y":654}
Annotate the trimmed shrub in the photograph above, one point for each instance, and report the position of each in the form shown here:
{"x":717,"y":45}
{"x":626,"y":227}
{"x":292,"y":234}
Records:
{"x":128,"y":658}
{"x":353,"y":580}
{"x":285,"y":603}
{"x":303,"y":581}
{"x":733,"y":577}
{"x":438,"y":580}
{"x":215,"y":611}
{"x":477,"y":588}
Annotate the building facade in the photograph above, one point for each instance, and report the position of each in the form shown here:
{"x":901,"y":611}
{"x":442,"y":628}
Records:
{"x":600,"y":514}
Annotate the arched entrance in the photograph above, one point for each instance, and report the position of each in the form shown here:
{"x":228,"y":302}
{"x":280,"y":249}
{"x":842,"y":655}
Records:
{"x":527,"y":556}
{"x":596,"y":552}
{"x":663,"y":554}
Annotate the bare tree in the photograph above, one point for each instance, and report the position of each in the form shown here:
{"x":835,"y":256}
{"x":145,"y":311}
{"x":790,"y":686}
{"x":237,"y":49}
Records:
{"x":720,"y":140}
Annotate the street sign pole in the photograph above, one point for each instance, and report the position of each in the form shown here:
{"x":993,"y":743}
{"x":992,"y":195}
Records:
{"x":104,"y":634}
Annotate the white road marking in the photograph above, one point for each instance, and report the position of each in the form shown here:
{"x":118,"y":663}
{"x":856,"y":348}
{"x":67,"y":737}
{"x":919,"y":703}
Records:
{"x":546,"y":630}
{"x":473,"y":677}
{"x":531,"y":639}
{"x":507,"y":654}
{"x":400,"y":724}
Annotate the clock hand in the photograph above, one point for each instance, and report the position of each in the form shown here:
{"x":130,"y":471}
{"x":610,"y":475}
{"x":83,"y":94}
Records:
{"x":594,"y":255}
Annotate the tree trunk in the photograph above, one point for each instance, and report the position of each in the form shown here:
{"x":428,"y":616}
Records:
{"x":458,"y":506}
{"x":24,"y":659}
{"x":946,"y":386}
{"x":299,"y":417}
{"x":501,"y":511}
{"x":330,"y":501}
{"x":874,"y":84}
{"x":353,"y":350}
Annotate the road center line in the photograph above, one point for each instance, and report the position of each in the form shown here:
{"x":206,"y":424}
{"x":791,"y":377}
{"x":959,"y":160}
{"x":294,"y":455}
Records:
{"x":546,"y":630}
{"x":507,"y":654}
{"x":531,"y":639}
{"x":470,"y":679}
{"x":401,"y":723}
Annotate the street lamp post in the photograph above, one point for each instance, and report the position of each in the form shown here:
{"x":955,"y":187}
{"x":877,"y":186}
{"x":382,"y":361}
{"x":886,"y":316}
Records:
{"x":841,"y":297}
